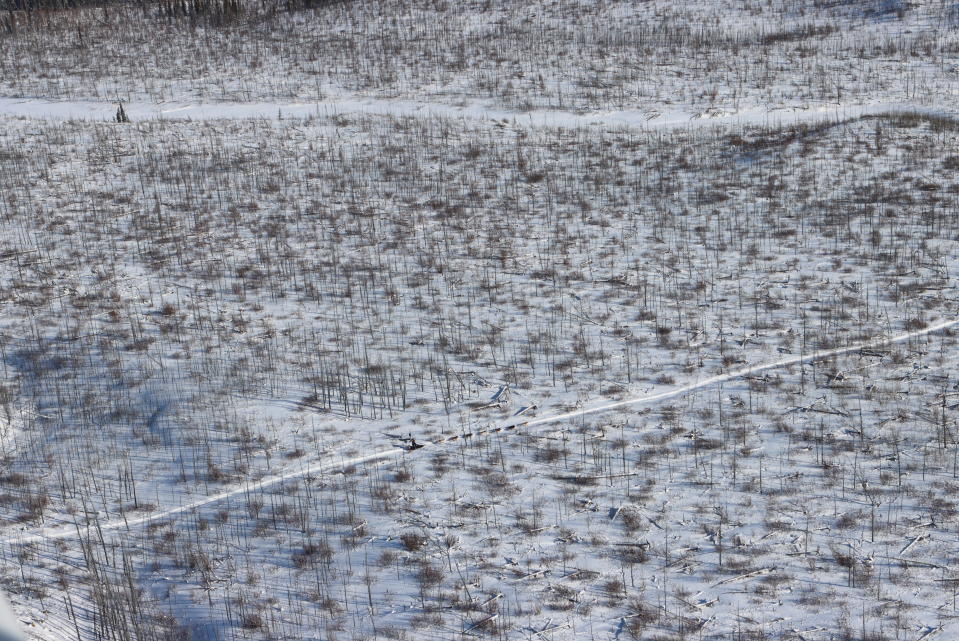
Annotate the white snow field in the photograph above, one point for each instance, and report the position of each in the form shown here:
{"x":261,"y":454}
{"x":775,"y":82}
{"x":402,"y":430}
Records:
{"x":99,"y":111}
{"x":332,"y":463}
{"x":663,"y":294}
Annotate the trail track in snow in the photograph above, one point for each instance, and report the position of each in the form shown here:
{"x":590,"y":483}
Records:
{"x":41,"y":109}
{"x":65,"y":530}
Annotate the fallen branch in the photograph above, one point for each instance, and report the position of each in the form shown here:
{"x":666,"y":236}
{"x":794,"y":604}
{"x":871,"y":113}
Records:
{"x":743,"y":577}
{"x":919,"y":537}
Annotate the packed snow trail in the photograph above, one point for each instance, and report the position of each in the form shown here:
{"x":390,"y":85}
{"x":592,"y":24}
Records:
{"x":65,"y":529}
{"x":746,"y":371}
{"x":42,"y":109}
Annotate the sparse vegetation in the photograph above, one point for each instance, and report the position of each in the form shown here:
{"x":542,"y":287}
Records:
{"x":326,"y":372}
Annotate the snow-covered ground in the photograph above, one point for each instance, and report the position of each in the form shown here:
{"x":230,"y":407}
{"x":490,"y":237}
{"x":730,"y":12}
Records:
{"x":673,"y":325}
{"x":344,"y":105}
{"x":331,"y":461}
